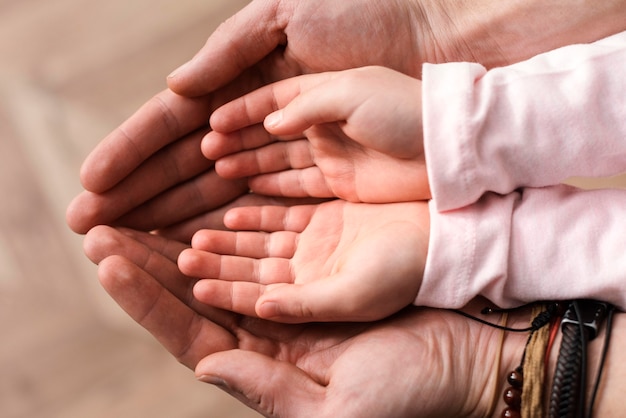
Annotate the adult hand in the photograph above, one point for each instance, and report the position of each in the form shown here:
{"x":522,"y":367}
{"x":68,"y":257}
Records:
{"x":124,"y":173}
{"x":271,"y":40}
{"x":363,"y":137}
{"x":300,"y":37}
{"x":335,"y":261}
{"x":418,"y":363}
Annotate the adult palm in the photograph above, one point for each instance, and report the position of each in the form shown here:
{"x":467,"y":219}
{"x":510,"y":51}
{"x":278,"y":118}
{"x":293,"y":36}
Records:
{"x":418,"y":363}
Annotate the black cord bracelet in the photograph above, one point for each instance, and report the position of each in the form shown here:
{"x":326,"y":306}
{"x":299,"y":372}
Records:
{"x":580,"y":325}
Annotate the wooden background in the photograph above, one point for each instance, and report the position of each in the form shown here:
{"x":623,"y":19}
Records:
{"x":71,"y":71}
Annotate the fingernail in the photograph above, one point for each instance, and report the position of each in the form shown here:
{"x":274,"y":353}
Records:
{"x":268,"y":310}
{"x":213,"y":380}
{"x":274,"y":119}
{"x":179,"y":70}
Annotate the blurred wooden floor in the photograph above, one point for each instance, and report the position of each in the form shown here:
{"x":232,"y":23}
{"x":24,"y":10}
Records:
{"x":70,"y":71}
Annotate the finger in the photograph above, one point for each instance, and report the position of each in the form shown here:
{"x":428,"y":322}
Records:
{"x":274,"y":157}
{"x":239,"y":297}
{"x":168,"y":248}
{"x":203,"y":193}
{"x":240,"y":42}
{"x":184,"y":333}
{"x":174,"y":164}
{"x":329,"y":299}
{"x":270,"y":218}
{"x":254,"y":107}
{"x":161,"y":121}
{"x":208,"y":265}
{"x":216,"y":145}
{"x":246,"y":244}
{"x":103,"y":241}
{"x":307,"y":182}
{"x":320,"y":300}
{"x":323,"y":100}
{"x":272,"y":387}
{"x":214,"y":218}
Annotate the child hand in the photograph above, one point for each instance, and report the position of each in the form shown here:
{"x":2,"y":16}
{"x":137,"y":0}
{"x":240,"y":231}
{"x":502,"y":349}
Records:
{"x":335,"y":261}
{"x":362,"y":133}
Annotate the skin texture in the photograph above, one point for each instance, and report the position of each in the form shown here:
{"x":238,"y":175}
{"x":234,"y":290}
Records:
{"x":305,"y":370}
{"x":335,"y":261}
{"x":271,"y":40}
{"x":442,"y":363}
{"x":362,"y":133}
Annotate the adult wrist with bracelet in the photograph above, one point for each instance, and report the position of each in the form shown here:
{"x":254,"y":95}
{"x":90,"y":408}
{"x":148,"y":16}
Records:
{"x":546,"y":353}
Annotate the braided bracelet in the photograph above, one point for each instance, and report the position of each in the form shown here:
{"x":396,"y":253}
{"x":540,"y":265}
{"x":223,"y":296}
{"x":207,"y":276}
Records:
{"x":580,"y":325}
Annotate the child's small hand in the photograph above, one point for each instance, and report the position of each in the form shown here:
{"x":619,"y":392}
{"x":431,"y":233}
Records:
{"x":336,"y":261}
{"x":355,"y":134}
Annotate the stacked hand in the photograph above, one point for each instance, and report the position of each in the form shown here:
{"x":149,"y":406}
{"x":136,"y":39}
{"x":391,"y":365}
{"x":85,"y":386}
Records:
{"x":149,"y":175}
{"x":418,"y":363}
{"x":143,"y":175}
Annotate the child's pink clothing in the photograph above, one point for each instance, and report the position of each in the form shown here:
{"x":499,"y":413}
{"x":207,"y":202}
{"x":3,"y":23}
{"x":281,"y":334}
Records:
{"x":529,"y":125}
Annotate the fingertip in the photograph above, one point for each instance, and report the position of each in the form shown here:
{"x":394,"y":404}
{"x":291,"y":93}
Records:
{"x":188,"y":262}
{"x":274,"y":120}
{"x":98,"y":243}
{"x":203,"y":291}
{"x":185,"y":81}
{"x":82,"y":213}
{"x":73,"y":217}
{"x":268,"y":309}
{"x":207,"y":146}
{"x":235,"y":218}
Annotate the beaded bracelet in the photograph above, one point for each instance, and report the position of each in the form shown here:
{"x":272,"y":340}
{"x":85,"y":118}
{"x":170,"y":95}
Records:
{"x":524,"y":396}
{"x":579,"y":325}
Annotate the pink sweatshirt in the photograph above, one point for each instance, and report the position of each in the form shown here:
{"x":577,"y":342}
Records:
{"x":498,"y":144}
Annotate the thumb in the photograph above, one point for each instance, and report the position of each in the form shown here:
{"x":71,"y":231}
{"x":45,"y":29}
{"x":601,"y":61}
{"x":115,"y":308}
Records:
{"x":238,"y":43}
{"x":327,"y":299}
{"x":270,"y":387}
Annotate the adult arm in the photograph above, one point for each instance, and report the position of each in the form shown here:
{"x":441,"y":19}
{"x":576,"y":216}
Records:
{"x":533,"y":124}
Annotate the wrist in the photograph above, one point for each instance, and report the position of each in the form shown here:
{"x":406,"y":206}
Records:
{"x":495,"y":33}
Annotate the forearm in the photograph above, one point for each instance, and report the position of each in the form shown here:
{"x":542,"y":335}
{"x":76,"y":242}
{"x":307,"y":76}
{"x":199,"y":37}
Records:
{"x":532,"y":124}
{"x":543,"y":244}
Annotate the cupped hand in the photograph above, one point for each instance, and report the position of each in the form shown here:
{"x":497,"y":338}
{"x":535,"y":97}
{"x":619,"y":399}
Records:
{"x":271,"y":40}
{"x":245,"y":53}
{"x":362,"y":130}
{"x":335,"y":261}
{"x":422,"y":362}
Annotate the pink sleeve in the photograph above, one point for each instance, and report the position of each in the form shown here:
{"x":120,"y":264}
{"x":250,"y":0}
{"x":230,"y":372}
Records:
{"x":536,"y":123}
{"x":541,"y":244}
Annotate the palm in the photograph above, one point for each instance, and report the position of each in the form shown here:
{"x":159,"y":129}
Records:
{"x":327,"y":254}
{"x":338,"y":167}
{"x":307,"y":370}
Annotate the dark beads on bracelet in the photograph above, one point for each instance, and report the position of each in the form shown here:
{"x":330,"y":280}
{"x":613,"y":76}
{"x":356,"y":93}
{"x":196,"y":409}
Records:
{"x":516,"y":378}
{"x":513,"y":394}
